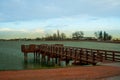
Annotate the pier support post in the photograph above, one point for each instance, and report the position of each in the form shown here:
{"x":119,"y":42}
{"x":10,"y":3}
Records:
{"x":59,"y":60}
{"x":43,"y":58}
{"x":53,"y":61}
{"x":38,"y":57}
{"x":56,"y":61}
{"x":67,"y":62}
{"x":34,"y":57}
{"x":48,"y":60}
{"x":25,"y":57}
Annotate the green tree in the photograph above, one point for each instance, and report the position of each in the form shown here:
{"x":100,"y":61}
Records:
{"x":96,"y":35}
{"x":54,"y":36}
{"x":109,"y":37}
{"x":77,"y":35}
{"x":58,"y":35}
{"x":63,"y":36}
{"x":38,"y":38}
{"x":100,"y":35}
{"x":103,"y":35}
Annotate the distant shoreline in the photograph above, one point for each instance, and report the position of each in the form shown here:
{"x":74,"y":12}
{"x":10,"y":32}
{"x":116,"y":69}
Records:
{"x":70,"y":40}
{"x":117,"y":42}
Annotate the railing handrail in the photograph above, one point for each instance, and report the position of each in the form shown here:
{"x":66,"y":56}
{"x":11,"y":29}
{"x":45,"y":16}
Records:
{"x":60,"y":48}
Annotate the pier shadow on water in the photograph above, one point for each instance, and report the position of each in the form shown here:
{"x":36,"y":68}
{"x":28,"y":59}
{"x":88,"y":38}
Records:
{"x":41,"y":64}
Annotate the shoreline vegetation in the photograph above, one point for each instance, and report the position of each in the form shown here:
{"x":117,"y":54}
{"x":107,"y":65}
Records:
{"x":112,"y":41}
{"x":99,"y":36}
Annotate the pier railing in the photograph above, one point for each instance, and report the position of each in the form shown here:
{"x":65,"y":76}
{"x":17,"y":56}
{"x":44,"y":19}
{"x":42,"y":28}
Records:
{"x":67,"y":53}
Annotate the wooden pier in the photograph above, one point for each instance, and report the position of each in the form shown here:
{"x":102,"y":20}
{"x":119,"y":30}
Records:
{"x":59,"y":52}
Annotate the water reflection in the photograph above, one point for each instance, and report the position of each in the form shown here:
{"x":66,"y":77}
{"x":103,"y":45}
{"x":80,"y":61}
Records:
{"x":39,"y":63}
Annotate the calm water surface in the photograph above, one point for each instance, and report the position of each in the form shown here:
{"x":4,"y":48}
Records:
{"x":11,"y":57}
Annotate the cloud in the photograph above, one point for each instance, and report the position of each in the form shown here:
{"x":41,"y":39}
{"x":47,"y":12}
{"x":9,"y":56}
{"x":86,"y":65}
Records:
{"x":5,"y":29}
{"x":8,"y":33}
{"x":38,"y":31}
{"x":45,"y":9}
{"x":35,"y":30}
{"x":37,"y":17}
{"x":112,"y":3}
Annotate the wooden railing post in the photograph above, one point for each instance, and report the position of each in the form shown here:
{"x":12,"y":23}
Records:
{"x":75,"y":56}
{"x":101,"y":57}
{"x":71,"y":50}
{"x":68,"y":56}
{"x":59,"y":54}
{"x":113,"y":54}
{"x":54,"y":53}
{"x":105,"y":55}
{"x":93,"y":57}
{"x":48,"y":55}
{"x":80,"y":53}
{"x":86,"y":54}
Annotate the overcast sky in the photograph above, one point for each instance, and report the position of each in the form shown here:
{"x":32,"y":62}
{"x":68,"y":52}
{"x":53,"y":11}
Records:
{"x":35,"y":18}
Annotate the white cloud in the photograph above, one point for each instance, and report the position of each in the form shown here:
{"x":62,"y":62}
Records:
{"x":36,"y":17}
{"x":113,"y":2}
{"x":32,"y":31}
{"x":12,"y":30}
{"x":44,"y":9}
{"x":7,"y":33}
{"x":39,"y":30}
{"x":103,"y":3}
{"x":6,"y":29}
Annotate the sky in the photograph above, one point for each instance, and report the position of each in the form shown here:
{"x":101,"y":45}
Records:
{"x":36,"y":18}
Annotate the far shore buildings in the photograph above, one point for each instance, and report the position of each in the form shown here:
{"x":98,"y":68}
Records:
{"x":85,"y":38}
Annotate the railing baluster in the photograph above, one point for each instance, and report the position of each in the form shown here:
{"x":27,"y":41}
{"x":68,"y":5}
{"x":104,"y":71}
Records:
{"x":113,"y":54}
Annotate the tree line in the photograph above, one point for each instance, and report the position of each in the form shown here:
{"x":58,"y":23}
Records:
{"x":78,"y":35}
{"x":103,"y":36}
{"x":55,"y":36}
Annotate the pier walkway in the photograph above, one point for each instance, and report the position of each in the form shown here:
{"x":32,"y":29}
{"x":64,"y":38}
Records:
{"x":59,"y":52}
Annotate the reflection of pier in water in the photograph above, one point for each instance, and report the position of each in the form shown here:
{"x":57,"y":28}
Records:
{"x":59,"y":52}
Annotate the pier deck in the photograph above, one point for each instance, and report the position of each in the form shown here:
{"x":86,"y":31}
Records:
{"x":78,"y":55}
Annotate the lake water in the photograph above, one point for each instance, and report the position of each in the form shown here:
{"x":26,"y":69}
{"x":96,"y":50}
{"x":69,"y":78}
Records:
{"x":11,"y":57}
